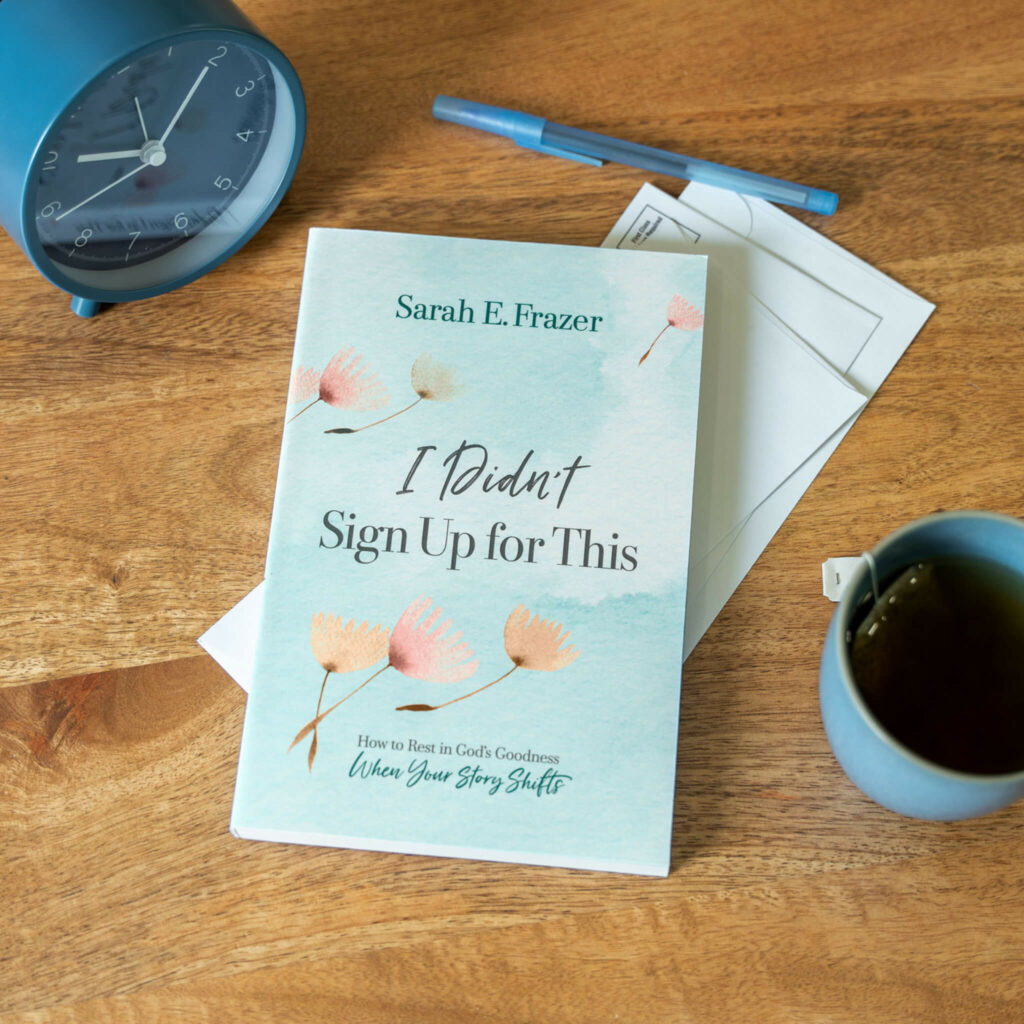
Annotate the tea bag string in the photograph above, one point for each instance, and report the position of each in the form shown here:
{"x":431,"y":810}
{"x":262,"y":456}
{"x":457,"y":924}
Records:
{"x":873,"y":569}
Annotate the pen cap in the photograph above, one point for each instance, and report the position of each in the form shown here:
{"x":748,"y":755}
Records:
{"x":819,"y":201}
{"x":522,"y":128}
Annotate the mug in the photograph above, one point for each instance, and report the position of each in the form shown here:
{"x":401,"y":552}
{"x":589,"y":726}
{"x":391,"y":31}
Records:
{"x":875,"y":761}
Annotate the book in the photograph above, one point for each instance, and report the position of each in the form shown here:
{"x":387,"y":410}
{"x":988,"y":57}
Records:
{"x":472,"y":627}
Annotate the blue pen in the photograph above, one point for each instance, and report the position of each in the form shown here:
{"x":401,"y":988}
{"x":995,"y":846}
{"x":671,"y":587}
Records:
{"x":591,"y":148}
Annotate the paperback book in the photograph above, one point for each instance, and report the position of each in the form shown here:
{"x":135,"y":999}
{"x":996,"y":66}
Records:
{"x":472,"y":628}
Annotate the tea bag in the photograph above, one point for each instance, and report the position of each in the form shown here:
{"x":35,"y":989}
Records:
{"x":895,"y":621}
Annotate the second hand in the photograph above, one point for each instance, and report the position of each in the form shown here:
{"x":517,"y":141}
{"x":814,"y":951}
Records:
{"x":124,"y":177}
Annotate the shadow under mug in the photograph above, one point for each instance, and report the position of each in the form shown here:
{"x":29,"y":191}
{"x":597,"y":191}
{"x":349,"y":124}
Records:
{"x":878,"y":764}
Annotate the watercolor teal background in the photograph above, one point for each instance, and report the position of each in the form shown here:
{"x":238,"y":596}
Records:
{"x":611,"y":716}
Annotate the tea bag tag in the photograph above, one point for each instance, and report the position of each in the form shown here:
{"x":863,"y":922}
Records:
{"x":836,"y":574}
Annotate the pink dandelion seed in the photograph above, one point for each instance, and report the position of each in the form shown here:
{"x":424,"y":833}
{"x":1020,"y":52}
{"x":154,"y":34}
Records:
{"x":305,"y":383}
{"x":682,"y":316}
{"x":345,"y":383}
{"x":422,"y":650}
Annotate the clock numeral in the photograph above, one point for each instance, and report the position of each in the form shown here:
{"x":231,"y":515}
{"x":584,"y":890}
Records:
{"x":51,"y":161}
{"x":244,"y":136}
{"x":181,"y":222}
{"x":83,"y":238}
{"x":222,"y":183}
{"x":222,"y":52}
{"x":49,"y":209}
{"x":247,"y":88}
{"x":135,"y":237}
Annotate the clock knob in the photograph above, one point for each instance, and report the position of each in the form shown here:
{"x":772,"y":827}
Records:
{"x":153,"y":153}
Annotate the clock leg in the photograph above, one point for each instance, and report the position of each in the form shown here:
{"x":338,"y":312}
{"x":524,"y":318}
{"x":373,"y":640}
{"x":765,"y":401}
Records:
{"x":84,"y":307}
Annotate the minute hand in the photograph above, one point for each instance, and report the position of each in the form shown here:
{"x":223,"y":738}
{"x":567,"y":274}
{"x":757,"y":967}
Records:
{"x":184,"y":104}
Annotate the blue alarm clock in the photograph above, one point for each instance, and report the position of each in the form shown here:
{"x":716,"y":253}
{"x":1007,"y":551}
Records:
{"x":142,"y":142}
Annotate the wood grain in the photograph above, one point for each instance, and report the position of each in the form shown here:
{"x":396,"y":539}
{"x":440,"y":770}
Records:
{"x":138,"y":455}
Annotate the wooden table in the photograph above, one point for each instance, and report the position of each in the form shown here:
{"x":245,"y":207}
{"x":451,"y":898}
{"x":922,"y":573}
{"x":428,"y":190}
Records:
{"x":139,"y":452}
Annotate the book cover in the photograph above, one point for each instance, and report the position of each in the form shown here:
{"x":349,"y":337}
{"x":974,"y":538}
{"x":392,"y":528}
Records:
{"x":476,"y":579}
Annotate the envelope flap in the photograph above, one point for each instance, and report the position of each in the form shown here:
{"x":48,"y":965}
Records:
{"x":767,"y":403}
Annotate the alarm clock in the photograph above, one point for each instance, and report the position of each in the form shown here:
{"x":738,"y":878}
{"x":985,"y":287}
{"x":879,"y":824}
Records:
{"x":142,"y":142}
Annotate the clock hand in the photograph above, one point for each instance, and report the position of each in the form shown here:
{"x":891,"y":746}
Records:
{"x":126,"y":154}
{"x":142,"y":121}
{"x":124,"y":177}
{"x":121,"y":154}
{"x":184,"y":104}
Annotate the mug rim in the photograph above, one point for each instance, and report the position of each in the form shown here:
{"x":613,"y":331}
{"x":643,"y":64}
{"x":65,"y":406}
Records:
{"x":846,"y":606}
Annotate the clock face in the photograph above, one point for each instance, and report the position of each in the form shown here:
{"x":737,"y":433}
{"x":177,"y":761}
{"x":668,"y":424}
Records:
{"x":162,"y":163}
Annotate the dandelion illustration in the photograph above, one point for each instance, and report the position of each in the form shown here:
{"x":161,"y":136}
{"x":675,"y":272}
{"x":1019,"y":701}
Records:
{"x":305,"y":383}
{"x":418,"y":647}
{"x":341,"y":647}
{"x":345,"y":384}
{"x":432,"y":381}
{"x":682,"y":316}
{"x":534,"y":643}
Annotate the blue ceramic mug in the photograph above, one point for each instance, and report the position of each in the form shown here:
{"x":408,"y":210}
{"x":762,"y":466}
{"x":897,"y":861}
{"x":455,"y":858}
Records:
{"x":876,"y":762}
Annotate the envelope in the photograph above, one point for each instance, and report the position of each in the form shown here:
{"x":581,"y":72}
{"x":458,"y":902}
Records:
{"x":901,"y":314}
{"x":231,"y":640}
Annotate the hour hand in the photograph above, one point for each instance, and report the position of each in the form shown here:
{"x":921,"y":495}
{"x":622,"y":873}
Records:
{"x":121,"y":154}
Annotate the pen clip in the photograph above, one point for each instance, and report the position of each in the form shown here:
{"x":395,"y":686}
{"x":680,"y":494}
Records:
{"x":568,"y":154}
{"x":528,"y":132}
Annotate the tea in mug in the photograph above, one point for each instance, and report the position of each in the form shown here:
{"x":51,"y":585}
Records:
{"x":939,"y":661}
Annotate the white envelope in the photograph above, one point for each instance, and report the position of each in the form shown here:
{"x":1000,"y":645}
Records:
{"x":231,"y":640}
{"x":901,"y":314}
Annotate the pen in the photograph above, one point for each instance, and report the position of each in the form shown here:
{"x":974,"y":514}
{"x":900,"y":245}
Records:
{"x":591,"y":148}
